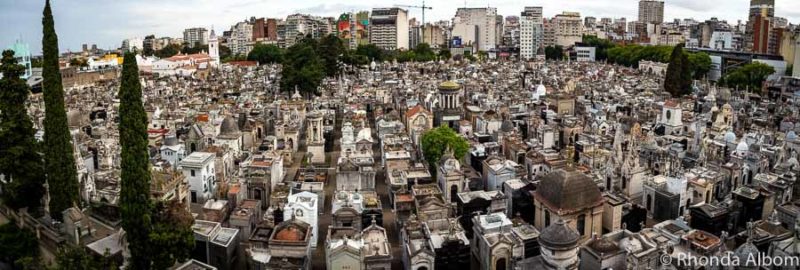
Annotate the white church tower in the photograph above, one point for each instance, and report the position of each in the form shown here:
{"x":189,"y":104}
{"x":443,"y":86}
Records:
{"x":213,"y":49}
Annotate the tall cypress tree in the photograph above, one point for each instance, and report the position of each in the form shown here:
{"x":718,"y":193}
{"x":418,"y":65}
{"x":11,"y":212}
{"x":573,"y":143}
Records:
{"x":20,"y":160}
{"x":135,"y":202}
{"x":62,"y":175}
{"x":686,"y":75}
{"x":672,"y":82}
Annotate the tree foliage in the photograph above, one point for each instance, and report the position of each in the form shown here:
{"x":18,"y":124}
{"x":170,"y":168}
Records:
{"x":20,"y":246}
{"x":435,"y":141}
{"x":424,"y":53}
{"x":265,"y":54}
{"x":601,"y":46}
{"x":372,"y":52}
{"x":20,"y":160}
{"x":302,"y":68}
{"x":630,"y":55}
{"x":224,"y":52}
{"x":194,"y":48}
{"x":331,"y":51}
{"x":676,"y":71}
{"x":60,"y":169}
{"x":554,"y":52}
{"x":172,"y":234}
{"x":79,"y":62}
{"x":73,"y":258}
{"x":750,"y":76}
{"x":444,"y":54}
{"x":168,"y":51}
{"x":135,"y":207}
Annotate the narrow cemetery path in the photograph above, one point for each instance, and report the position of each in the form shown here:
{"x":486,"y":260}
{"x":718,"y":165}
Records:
{"x":324,"y":220}
{"x":389,"y":222}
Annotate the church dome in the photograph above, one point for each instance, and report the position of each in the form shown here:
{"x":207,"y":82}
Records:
{"x":558,"y":236}
{"x":791,"y":135}
{"x":507,"y":126}
{"x":229,"y":126}
{"x":730,"y":137}
{"x":449,"y":86}
{"x":566,"y":192}
{"x":745,"y":251}
{"x":742,"y":147}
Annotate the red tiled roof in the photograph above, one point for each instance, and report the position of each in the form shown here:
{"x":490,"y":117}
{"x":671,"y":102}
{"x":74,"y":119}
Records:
{"x":415,"y":110}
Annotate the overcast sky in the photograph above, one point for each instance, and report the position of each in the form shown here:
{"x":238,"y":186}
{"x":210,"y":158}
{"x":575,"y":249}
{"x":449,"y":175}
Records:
{"x":107,"y":22}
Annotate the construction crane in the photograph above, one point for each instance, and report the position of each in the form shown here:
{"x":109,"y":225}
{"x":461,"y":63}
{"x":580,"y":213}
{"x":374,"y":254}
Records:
{"x":423,"y":7}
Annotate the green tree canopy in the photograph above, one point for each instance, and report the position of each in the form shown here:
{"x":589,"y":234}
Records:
{"x":630,"y":55}
{"x":601,"y":45}
{"x":435,"y":141}
{"x":444,"y":54}
{"x":302,"y":68}
{"x":265,"y":54}
{"x":331,"y":51}
{"x":224,"y":52}
{"x":424,"y":53}
{"x":673,"y":83}
{"x":699,"y":64}
{"x":172,"y":233}
{"x":19,"y":245}
{"x":73,"y":258}
{"x":60,"y":169}
{"x":554,"y":52}
{"x":135,"y":207}
{"x":20,"y":160}
{"x":750,"y":76}
{"x":406,"y":56}
{"x":168,"y":51}
{"x":79,"y":62}
{"x":372,"y":52}
{"x":193,"y":48}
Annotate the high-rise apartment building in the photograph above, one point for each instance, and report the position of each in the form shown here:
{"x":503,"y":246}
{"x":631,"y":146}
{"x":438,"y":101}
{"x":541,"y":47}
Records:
{"x":194,"y":36}
{"x":796,"y":70}
{"x":531,"y":32}
{"x":265,"y":29}
{"x":759,"y":25}
{"x":388,"y":28}
{"x":549,"y":32}
{"x":511,"y":32}
{"x":241,"y":40}
{"x":352,"y":28}
{"x":435,"y":35}
{"x":414,"y":33}
{"x":298,"y":26}
{"x":569,"y":28}
{"x":467,"y":20}
{"x":651,"y":11}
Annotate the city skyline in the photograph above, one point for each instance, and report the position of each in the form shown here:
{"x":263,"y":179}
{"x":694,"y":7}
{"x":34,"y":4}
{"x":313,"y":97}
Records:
{"x":171,"y":17}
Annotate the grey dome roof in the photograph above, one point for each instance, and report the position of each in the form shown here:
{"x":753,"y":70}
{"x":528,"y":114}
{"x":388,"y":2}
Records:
{"x":229,"y":126}
{"x":565,"y":191}
{"x":507,"y":126}
{"x":558,"y":236}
